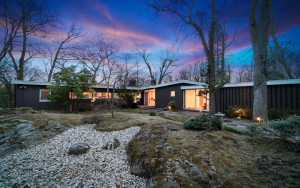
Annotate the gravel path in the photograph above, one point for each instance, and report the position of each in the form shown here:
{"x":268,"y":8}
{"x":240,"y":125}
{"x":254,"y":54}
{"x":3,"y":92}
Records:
{"x":49,"y":165}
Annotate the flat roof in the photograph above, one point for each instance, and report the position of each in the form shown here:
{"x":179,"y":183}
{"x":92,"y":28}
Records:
{"x":172,"y":83}
{"x":247,"y":84}
{"x":111,"y":87}
{"x":22,"y":82}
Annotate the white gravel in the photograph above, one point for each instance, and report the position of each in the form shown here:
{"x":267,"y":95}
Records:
{"x":49,"y":165}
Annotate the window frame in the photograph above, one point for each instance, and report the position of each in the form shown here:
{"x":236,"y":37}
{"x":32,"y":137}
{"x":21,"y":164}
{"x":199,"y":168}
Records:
{"x":171,"y":93}
{"x":40,"y":95}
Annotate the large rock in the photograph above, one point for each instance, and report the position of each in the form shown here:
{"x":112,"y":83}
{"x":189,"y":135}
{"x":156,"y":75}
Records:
{"x":79,"y":148}
{"x":112,"y":144}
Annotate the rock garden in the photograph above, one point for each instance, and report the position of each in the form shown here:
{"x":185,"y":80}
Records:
{"x":134,"y":149}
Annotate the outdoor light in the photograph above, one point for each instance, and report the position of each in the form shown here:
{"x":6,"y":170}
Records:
{"x":169,"y":107}
{"x":258,"y":119}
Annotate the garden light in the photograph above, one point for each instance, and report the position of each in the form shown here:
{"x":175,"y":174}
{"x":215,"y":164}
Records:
{"x":258,"y":119}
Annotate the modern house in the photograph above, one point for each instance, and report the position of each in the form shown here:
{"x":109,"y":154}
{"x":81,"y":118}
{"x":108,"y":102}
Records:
{"x":281,"y":94}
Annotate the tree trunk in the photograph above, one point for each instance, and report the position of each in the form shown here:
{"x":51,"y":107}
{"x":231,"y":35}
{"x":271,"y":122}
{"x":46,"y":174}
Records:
{"x":22,"y":58}
{"x":259,"y":39}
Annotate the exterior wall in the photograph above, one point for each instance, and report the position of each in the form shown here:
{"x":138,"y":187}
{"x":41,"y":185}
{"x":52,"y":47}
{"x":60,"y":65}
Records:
{"x":163,"y":96}
{"x":279,"y":96}
{"x":29,"y":97}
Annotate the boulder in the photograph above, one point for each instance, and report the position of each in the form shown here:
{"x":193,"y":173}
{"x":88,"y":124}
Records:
{"x":79,"y":148}
{"x":112,"y":144}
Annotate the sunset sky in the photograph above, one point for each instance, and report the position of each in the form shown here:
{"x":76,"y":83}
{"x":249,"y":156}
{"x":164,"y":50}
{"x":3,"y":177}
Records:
{"x":131,"y":22}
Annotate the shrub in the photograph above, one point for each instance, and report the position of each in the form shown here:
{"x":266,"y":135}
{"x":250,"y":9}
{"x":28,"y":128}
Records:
{"x":239,"y":111}
{"x":286,"y":129}
{"x":274,"y":113}
{"x":152,"y":114}
{"x":173,"y":105}
{"x":93,"y":119}
{"x":230,"y":129}
{"x":201,"y":122}
{"x":246,"y":112}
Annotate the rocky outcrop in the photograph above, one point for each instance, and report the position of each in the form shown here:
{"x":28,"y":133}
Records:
{"x":79,"y":148}
{"x":17,"y":134}
{"x":150,"y":155}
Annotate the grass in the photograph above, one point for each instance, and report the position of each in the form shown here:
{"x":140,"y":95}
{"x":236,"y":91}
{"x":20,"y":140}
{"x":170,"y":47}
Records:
{"x":42,"y":118}
{"x":175,"y":118}
{"x":132,"y":110}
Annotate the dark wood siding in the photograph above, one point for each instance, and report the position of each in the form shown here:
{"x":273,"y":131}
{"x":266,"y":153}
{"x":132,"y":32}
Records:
{"x":29,"y":97}
{"x":279,"y":96}
{"x":163,"y":96}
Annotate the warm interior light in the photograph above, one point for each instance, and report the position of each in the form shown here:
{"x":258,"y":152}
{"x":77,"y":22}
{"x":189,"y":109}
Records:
{"x":170,"y":107}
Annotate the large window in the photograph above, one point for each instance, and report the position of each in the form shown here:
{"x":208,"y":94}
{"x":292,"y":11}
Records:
{"x":193,"y":101}
{"x":44,"y":95}
{"x":88,"y":95}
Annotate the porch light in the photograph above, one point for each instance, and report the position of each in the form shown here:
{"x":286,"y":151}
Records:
{"x":258,"y":119}
{"x":169,"y":107}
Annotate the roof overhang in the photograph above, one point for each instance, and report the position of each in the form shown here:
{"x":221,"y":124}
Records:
{"x":249,"y":84}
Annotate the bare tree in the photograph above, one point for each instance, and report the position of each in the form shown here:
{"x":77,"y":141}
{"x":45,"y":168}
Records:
{"x":167,"y":60}
{"x":31,"y":17}
{"x":278,"y":55}
{"x":144,"y":54}
{"x":10,"y":27}
{"x":100,"y":50}
{"x":259,"y":38}
{"x":221,"y":29}
{"x":184,"y":74}
{"x":185,"y":11}
{"x":63,"y":51}
{"x":111,"y":78}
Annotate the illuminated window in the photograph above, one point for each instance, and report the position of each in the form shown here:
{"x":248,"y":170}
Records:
{"x":87,"y":95}
{"x":172,"y":93}
{"x":72,"y":95}
{"x":44,"y":95}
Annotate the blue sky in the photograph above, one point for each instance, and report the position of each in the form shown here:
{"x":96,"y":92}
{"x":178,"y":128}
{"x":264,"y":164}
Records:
{"x":131,"y":22}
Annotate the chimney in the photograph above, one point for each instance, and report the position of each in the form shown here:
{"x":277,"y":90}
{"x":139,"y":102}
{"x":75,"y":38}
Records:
{"x":153,"y":82}
{"x":132,"y":82}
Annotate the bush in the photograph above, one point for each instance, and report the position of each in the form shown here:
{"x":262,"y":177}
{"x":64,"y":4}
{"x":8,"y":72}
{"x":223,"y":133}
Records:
{"x":239,"y":111}
{"x":286,"y":129}
{"x":173,"y":105}
{"x":201,"y":122}
{"x":93,"y":119}
{"x":246,"y":112}
{"x":152,"y":114}
{"x":274,"y":113}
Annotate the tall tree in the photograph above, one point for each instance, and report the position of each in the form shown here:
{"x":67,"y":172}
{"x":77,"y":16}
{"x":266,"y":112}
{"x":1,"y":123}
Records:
{"x":259,"y":38}
{"x":32,"y":16}
{"x":63,"y":51}
{"x":101,"y":48}
{"x":167,"y":60}
{"x":185,"y":11}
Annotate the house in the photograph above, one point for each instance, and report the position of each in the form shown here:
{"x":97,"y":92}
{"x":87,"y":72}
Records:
{"x":281,"y":94}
